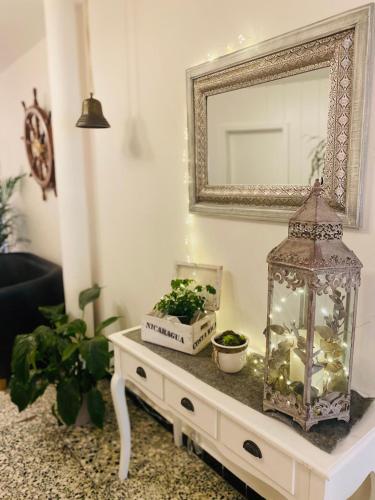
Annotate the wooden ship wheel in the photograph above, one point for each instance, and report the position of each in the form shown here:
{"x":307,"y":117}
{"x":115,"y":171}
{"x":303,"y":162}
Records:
{"x":39,"y":145}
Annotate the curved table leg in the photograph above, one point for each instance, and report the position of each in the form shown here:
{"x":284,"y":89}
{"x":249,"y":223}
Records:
{"x":372,"y":479}
{"x":122,"y":414}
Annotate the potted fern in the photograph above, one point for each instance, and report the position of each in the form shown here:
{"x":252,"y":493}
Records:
{"x":7,"y":215}
{"x":63,"y":355}
{"x":186,"y":301}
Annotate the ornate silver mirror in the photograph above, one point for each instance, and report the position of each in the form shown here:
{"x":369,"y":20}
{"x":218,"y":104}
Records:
{"x":265,"y":121}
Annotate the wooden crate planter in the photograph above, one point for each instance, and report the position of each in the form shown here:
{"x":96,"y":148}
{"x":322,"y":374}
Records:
{"x":168,"y":331}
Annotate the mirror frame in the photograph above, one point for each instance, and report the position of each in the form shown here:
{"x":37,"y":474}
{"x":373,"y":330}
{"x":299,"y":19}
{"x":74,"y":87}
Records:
{"x":343,"y":43}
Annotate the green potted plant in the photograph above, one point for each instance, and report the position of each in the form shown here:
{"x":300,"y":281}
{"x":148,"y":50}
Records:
{"x":7,"y":215}
{"x":183,"y":319}
{"x":64,"y":355}
{"x":229,"y":351}
{"x":186,"y":301}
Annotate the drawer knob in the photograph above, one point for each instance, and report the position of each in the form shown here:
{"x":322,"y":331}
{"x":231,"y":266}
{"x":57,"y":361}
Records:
{"x":140,"y":371}
{"x":252,"y":448}
{"x":186,"y":403}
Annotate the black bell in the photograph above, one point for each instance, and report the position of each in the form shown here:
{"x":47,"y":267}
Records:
{"x":92,"y":114}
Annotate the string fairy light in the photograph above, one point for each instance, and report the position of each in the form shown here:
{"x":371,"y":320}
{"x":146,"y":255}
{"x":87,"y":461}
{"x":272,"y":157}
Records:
{"x":241,"y":39}
{"x":241,"y":42}
{"x":189,"y":217}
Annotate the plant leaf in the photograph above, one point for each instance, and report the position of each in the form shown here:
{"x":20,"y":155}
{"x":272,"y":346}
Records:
{"x":334,"y":366}
{"x":325,"y":332}
{"x":54,"y":314}
{"x":297,"y":388}
{"x":339,"y":383}
{"x":86,"y":381}
{"x":45,"y":338}
{"x":24,"y":352}
{"x":89,"y":295}
{"x":96,"y":407}
{"x":68,"y":400}
{"x":105,"y":324}
{"x":280,"y":330}
{"x":95,"y":353}
{"x":316,"y":368}
{"x":284,"y":346}
{"x":56,"y":415}
{"x":62,"y":343}
{"x":301,"y":343}
{"x":76,"y":326}
{"x":38,"y":384}
{"x":68,"y":351}
{"x":301,"y":355}
{"x":19,"y":393}
{"x":332,"y":348}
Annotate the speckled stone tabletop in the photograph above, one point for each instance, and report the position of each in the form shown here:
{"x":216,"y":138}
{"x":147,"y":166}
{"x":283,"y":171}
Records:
{"x":247,"y":387}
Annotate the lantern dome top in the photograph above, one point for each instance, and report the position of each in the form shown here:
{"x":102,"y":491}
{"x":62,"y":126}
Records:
{"x":314,"y":238}
{"x":315,"y":209}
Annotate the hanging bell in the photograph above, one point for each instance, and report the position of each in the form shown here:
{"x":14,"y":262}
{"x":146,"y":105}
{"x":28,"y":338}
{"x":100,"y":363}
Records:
{"x":92,"y":115}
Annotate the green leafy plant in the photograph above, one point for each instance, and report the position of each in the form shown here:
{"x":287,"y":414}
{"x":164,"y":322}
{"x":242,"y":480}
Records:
{"x":231,"y":338}
{"x":185,"y":301}
{"x":7,"y":215}
{"x":317,"y":155}
{"x":63,"y":355}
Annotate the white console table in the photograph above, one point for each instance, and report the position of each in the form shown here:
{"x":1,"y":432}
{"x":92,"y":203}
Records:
{"x":266,"y":454}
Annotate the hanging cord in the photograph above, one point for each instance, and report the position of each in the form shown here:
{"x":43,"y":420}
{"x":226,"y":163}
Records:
{"x":87,"y":48}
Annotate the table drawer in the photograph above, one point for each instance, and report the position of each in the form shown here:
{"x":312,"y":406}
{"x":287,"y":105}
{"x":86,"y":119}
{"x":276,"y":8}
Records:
{"x":192,"y":408}
{"x":142,"y":374}
{"x":247,"y":445}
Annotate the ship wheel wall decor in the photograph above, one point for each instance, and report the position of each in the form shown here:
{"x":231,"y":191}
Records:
{"x":39,"y":145}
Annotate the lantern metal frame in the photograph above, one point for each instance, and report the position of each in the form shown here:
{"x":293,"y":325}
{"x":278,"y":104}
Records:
{"x":312,"y":256}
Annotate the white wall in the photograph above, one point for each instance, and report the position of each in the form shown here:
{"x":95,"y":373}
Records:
{"x":141,"y":50}
{"x":40,"y":221}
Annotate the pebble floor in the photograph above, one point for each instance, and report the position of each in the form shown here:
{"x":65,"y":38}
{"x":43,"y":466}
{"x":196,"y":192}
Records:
{"x":40,"y":460}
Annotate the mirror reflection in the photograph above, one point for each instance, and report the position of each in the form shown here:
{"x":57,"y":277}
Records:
{"x":271,"y":133}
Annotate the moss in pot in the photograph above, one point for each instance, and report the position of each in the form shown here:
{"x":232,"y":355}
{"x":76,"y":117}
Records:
{"x":229,"y":351}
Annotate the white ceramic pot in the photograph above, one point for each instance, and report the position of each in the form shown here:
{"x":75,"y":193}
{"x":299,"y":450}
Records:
{"x":229,"y":359}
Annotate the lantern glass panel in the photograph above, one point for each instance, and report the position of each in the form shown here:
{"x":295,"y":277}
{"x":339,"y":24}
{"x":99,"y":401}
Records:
{"x":287,"y":338}
{"x":334,"y":316}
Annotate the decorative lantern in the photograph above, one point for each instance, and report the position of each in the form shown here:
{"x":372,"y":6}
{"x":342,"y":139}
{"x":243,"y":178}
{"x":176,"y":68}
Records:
{"x":313,"y":284}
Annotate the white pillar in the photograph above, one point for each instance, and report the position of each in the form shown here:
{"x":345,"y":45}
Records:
{"x":65,"y":85}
